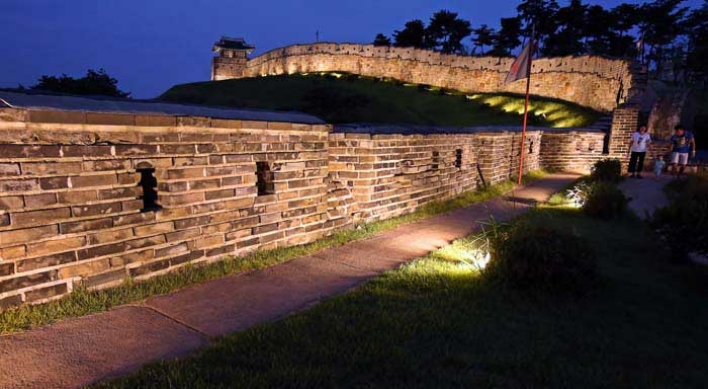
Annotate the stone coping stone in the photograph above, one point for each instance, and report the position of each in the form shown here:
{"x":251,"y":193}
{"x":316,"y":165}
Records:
{"x":35,"y":101}
{"x":414,"y":129}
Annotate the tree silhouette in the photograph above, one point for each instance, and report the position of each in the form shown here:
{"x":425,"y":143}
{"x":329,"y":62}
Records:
{"x":597,"y":30}
{"x":567,"y":40}
{"x":484,"y":36}
{"x":697,"y":50}
{"x":413,"y":35}
{"x":382,"y":40}
{"x":508,"y":37}
{"x":539,"y":15}
{"x":446,"y":32}
{"x":660,"y":24}
{"x":95,"y":82}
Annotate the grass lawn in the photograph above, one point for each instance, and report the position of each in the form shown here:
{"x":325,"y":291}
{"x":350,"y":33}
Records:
{"x":349,"y":98}
{"x":436,"y":323}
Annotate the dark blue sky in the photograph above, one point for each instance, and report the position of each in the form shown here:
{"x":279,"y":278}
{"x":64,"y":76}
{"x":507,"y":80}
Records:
{"x":150,"y":45}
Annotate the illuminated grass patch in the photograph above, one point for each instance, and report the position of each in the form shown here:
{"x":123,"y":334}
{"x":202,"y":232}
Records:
{"x":550,"y":112}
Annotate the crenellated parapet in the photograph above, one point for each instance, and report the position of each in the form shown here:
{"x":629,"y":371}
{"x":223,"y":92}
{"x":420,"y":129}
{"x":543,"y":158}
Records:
{"x":592,"y":81}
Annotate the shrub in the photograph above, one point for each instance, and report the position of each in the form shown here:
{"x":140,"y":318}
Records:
{"x":684,"y":222}
{"x":540,"y":258}
{"x":604,"y":200}
{"x":607,"y":170}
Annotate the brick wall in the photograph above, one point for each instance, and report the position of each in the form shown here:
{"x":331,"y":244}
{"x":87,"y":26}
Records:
{"x":392,"y":174}
{"x":92,"y":198}
{"x":625,"y":121}
{"x":595,"y":82}
{"x":71,"y":207}
{"x":575,"y":150}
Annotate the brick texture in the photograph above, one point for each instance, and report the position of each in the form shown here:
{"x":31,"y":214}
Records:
{"x":73,"y":212}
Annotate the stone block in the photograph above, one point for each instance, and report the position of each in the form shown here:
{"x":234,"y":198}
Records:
{"x":85,"y":225}
{"x":46,"y":261}
{"x":32,"y":218}
{"x":86,"y":151}
{"x":8,"y":186}
{"x":10,"y":302}
{"x":27,"y":281}
{"x":97,"y":209}
{"x":96,"y":180}
{"x":11,"y":203}
{"x":9,"y":169}
{"x":45,"y":293}
{"x":13,"y":252}
{"x":99,"y":251}
{"x":47,"y":116}
{"x":28,"y":234}
{"x":155,"y":121}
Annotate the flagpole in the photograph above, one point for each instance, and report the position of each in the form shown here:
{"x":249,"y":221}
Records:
{"x":526,"y":108}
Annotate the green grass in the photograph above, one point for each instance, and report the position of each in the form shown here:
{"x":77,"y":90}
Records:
{"x":436,"y":323}
{"x":82,"y":301}
{"x":346,"y":98}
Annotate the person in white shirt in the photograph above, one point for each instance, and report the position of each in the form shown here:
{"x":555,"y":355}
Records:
{"x":638,"y":150}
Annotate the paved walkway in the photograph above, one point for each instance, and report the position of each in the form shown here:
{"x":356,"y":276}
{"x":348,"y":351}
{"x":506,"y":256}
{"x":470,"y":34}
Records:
{"x":647,"y":193}
{"x":81,"y":351}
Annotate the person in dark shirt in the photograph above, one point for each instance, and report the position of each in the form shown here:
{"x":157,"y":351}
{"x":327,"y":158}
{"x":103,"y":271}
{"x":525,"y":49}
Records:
{"x":684,"y":144}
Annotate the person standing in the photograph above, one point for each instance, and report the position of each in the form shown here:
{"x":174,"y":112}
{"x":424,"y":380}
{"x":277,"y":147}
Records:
{"x":638,"y":150}
{"x":683,"y":143}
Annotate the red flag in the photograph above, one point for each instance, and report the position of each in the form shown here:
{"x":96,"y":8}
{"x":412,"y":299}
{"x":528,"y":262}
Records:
{"x":519,"y":69}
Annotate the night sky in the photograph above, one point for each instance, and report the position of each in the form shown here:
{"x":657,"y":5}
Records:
{"x":150,"y":45}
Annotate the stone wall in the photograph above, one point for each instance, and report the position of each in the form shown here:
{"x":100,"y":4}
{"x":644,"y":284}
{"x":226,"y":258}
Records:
{"x":72,"y":188}
{"x":94,"y":198}
{"x":574,"y":150}
{"x":392,"y":174}
{"x":595,"y":82}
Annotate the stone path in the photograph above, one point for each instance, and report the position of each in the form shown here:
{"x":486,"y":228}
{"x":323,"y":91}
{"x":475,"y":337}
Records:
{"x":81,"y":351}
{"x":647,"y":193}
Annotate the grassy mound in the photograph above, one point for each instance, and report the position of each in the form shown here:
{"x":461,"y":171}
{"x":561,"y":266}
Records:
{"x":347,"y":98}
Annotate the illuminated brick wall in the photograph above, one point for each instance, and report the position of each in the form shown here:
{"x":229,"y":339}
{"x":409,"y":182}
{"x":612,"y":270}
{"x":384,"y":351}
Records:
{"x":595,"y":82}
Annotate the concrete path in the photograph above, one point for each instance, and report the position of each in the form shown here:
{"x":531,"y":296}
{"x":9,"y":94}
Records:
{"x":81,"y":351}
{"x":647,"y":193}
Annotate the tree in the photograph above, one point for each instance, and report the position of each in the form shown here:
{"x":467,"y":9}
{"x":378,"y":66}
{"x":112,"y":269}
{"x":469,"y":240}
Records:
{"x":413,"y":35}
{"x":446,"y":32}
{"x":661,"y":22}
{"x":539,"y":15}
{"x":96,"y":82}
{"x":568,"y":39}
{"x":484,"y":36}
{"x":697,"y":50}
{"x":597,"y":30}
{"x":624,"y":18}
{"x":508,"y":37}
{"x":382,"y":40}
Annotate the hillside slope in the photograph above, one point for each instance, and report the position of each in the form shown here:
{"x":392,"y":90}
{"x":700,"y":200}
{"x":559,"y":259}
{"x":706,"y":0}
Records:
{"x":345,"y":98}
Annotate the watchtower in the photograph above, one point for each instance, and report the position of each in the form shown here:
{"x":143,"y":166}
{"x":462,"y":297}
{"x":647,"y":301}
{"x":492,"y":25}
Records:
{"x":233,"y":55}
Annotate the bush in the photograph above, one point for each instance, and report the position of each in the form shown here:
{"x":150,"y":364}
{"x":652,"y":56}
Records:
{"x":604,"y":200}
{"x":684,"y":222}
{"x":539,"y":258}
{"x":607,"y":170}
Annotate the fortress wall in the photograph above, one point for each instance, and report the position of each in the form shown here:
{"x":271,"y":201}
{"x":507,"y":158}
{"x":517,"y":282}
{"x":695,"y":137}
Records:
{"x":391,"y":175}
{"x":595,"y":82}
{"x":574,"y":151}
{"x":71,"y":195}
{"x":72,"y":188}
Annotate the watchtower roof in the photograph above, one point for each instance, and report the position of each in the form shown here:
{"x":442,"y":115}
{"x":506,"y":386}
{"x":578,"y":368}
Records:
{"x":233,"y":44}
